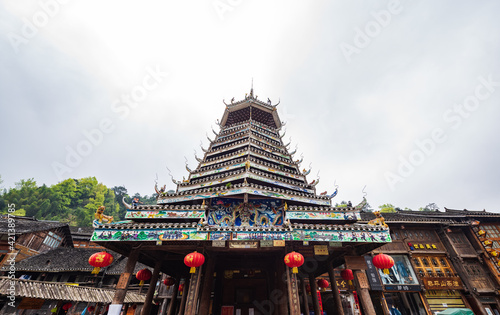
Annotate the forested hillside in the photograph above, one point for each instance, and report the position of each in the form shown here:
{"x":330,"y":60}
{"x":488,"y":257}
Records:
{"x":73,"y":201}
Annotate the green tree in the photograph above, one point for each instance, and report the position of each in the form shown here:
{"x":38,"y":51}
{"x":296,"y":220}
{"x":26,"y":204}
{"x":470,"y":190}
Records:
{"x":430,"y":207}
{"x":387,"y":208}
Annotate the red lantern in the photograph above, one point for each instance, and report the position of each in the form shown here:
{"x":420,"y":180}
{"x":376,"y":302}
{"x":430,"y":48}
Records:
{"x":169,"y":281}
{"x":294,"y":260}
{"x":323,"y":284}
{"x":67,"y":306}
{"x":308,"y":289}
{"x":194,"y":260}
{"x":347,"y":275}
{"x":383,"y":261}
{"x":91,"y":308}
{"x":143,"y":275}
{"x":100,"y":260}
{"x":181,"y":288}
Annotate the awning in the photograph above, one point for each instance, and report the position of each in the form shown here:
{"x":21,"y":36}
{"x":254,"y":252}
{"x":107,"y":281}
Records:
{"x":62,"y":292}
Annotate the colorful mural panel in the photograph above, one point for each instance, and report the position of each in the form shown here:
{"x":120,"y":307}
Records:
{"x":303,"y":215}
{"x":342,"y":236}
{"x":193,"y":234}
{"x":266,"y":236}
{"x":168,"y":214}
{"x":149,"y":235}
{"x":233,"y":212}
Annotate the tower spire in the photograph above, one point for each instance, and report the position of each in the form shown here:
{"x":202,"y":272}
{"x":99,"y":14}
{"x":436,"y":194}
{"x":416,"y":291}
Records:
{"x":251,"y":90}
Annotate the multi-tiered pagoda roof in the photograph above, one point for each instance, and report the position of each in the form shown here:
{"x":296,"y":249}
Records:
{"x":247,"y":186}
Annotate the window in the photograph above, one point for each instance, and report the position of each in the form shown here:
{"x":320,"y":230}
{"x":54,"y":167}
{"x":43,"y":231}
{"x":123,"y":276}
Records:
{"x":53,"y":240}
{"x":438,"y":266}
{"x":400,"y":273}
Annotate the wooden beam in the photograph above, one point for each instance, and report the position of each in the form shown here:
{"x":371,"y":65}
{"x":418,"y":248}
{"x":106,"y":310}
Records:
{"x":305,"y":300}
{"x":193,"y":293}
{"x":173,"y":299}
{"x":335,"y":290}
{"x":151,"y":290}
{"x":314,"y":294}
{"x":124,"y":281}
{"x":206,"y":291}
{"x":361,"y":282}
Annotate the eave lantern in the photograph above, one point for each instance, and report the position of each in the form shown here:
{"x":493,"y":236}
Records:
{"x":294,"y":260}
{"x":100,"y":260}
{"x":194,"y":260}
{"x":67,"y":306}
{"x":383,"y":261}
{"x":169,"y":282}
{"x":143,"y":275}
{"x":323,"y":284}
{"x":347,"y":275}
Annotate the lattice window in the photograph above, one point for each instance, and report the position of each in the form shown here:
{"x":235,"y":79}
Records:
{"x":53,"y":240}
{"x":433,"y":266}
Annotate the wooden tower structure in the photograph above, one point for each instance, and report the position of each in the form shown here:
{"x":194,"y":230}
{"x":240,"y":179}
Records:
{"x":245,"y":206}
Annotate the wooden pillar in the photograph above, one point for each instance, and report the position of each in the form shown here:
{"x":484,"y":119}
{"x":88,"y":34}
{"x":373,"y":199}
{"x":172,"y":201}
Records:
{"x":146,"y":309}
{"x":305,"y":301}
{"x":206,"y":291}
{"x":281,"y":296}
{"x":163,"y":308}
{"x":184,"y":294}
{"x":125,"y":308}
{"x":173,"y":299}
{"x":361,"y":282}
{"x":314,"y":294}
{"x":293,"y":292}
{"x":124,"y":281}
{"x":193,"y":293}
{"x":335,"y":290}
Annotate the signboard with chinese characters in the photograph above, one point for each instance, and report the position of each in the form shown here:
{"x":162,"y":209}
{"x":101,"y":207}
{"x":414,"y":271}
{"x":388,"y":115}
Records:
{"x":266,"y":243}
{"x":440,"y":283}
{"x":321,"y":250}
{"x":372,"y":274}
{"x":409,"y":287}
{"x":362,"y":280}
{"x":243,"y":244}
{"x":218,"y":243}
{"x":279,"y":243}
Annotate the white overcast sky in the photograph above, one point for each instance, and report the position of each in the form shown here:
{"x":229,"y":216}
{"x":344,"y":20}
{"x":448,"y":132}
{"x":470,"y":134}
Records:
{"x":360,"y":83}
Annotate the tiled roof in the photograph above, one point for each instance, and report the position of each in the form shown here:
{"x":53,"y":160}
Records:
{"x":25,"y":225}
{"x":61,"y":292}
{"x":71,"y":259}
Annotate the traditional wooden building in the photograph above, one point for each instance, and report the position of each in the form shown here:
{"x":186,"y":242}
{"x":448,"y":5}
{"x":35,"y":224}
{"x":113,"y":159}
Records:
{"x":441,"y":262}
{"x":244,"y":207}
{"x":24,"y":237}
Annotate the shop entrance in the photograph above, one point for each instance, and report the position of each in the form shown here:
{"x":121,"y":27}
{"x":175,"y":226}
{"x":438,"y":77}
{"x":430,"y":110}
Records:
{"x":243,"y":285}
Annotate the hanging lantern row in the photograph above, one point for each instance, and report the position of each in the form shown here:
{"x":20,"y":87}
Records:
{"x":169,"y":282}
{"x":347,"y":275}
{"x":143,"y":275}
{"x":100,"y":260}
{"x":383,"y":261}
{"x":194,"y":260}
{"x":294,"y":260}
{"x":323,"y":284}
